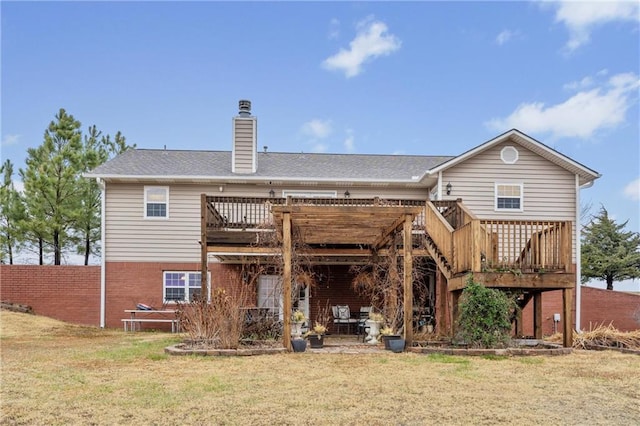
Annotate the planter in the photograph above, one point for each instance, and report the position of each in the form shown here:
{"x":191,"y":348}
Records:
{"x":316,"y":341}
{"x":374,"y":332}
{"x":386,"y":339}
{"x":299,"y":345}
{"x":397,"y":345}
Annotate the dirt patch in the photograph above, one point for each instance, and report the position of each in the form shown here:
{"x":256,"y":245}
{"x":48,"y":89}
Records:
{"x":246,"y":349}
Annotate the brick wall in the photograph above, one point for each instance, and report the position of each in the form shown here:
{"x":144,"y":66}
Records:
{"x":598,"y":307}
{"x":68,"y":293}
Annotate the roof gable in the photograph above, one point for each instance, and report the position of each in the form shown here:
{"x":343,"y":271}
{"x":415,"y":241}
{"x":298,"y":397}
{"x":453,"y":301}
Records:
{"x":585,"y":174}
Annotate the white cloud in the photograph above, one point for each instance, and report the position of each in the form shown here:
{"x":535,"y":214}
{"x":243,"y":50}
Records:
{"x":581,"y":17}
{"x":579,"y":84}
{"x":9,"y":140}
{"x":334,"y":28}
{"x":18,"y":185}
{"x":320,"y":147}
{"x":372,"y":40}
{"x":581,"y":115}
{"x":317,"y":128}
{"x":505,"y":36}
{"x":632,"y":190}
{"x":349,"y":142}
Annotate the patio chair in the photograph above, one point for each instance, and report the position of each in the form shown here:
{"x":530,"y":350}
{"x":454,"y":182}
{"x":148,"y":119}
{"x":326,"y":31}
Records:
{"x":342,"y":317}
{"x":362,"y":328}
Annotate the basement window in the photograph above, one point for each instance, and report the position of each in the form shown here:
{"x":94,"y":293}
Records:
{"x":508,"y":196}
{"x":156,"y":202}
{"x":180,"y":286}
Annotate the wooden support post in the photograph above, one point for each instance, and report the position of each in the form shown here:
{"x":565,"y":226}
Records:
{"x":203,"y":248}
{"x":519,"y":331}
{"x":567,"y":333}
{"x":441,"y":301}
{"x":567,"y":246}
{"x":286,"y":280}
{"x":537,"y":315}
{"x":476,"y":246}
{"x":408,"y":281}
{"x":455,"y":312}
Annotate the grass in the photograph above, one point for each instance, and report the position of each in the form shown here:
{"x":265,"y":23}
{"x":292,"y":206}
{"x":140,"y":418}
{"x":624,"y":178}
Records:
{"x":55,"y":373}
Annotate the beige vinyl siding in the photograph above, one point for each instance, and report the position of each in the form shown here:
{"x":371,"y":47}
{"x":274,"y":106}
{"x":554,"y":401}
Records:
{"x":548,"y":190}
{"x":244,"y":146}
{"x":132,"y":238}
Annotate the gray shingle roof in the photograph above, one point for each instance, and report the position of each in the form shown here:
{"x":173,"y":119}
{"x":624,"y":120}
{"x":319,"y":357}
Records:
{"x":217,"y":164}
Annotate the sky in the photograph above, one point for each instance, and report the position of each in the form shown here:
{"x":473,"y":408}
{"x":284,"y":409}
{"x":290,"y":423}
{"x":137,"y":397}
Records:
{"x":424,"y":78}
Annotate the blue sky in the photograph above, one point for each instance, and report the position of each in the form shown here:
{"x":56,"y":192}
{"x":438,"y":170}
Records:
{"x":414,"y":78}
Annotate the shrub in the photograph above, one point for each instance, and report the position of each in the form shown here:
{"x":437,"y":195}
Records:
{"x":485,"y":316}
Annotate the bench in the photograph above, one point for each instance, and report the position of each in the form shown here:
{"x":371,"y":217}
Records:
{"x":130,"y":324}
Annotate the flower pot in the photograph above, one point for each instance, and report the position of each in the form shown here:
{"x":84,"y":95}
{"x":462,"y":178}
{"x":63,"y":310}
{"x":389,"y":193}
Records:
{"x":396,"y":345}
{"x":299,"y":345}
{"x":386,"y":339}
{"x":316,"y":341}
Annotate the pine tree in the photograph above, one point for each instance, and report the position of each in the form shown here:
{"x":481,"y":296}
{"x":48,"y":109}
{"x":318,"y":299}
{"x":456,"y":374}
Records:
{"x":12,"y":214}
{"x":50,"y":185}
{"x":609,"y":253}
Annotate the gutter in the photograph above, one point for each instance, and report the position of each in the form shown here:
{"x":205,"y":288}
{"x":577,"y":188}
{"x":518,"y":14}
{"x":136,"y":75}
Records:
{"x":103,"y":233}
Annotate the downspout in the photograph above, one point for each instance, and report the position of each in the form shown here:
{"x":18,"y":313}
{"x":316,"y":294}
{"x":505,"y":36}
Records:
{"x":579,"y":251}
{"x":103,"y":275}
{"x":439,"y":197}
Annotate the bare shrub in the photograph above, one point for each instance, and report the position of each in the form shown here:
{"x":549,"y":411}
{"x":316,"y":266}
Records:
{"x":217,"y":323}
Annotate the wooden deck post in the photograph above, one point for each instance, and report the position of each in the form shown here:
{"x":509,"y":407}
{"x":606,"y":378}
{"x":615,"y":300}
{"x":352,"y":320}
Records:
{"x":566,"y":246}
{"x":537,"y":315}
{"x":286,"y":280}
{"x":203,"y":247}
{"x":567,"y":333}
{"x":476,"y":246}
{"x":408,"y":281}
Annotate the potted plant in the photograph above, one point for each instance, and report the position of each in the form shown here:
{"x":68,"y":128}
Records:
{"x":374,"y":321}
{"x":297,"y":319}
{"x":316,"y":337}
{"x":388,"y":335}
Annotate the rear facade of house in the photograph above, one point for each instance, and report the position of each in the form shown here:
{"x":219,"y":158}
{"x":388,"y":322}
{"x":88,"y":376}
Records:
{"x":506,"y":211}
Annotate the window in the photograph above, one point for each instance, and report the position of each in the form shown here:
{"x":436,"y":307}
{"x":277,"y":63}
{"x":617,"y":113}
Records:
{"x":508,"y":196}
{"x":181,"y":286}
{"x":310,"y":194}
{"x":156,"y":202}
{"x":270,"y":294}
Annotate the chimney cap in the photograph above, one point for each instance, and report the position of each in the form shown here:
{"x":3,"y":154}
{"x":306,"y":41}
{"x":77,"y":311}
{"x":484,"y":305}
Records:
{"x":245,"y":107}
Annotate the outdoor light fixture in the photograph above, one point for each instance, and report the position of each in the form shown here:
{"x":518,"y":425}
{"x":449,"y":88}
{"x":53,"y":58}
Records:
{"x":272,"y":193}
{"x":449,"y":187}
{"x":347,"y":194}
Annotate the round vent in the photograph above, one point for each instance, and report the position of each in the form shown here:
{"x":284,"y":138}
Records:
{"x":509,"y":155}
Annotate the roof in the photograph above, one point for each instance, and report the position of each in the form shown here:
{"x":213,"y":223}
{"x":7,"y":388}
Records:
{"x":216,"y":165}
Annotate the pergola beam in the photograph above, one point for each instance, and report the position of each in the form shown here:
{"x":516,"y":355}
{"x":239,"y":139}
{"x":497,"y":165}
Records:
{"x":408,"y":281}
{"x":286,"y":280}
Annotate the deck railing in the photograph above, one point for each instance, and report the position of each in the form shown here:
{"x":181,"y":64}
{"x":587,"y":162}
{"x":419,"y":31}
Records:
{"x":255,"y":212}
{"x":439,"y":230}
{"x":508,"y":245}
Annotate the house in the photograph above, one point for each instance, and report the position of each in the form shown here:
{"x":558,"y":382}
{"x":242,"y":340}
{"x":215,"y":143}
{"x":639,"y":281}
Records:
{"x":506,"y":211}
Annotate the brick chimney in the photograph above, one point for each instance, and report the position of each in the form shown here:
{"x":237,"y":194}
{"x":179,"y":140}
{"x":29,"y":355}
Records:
{"x":244,"y":158}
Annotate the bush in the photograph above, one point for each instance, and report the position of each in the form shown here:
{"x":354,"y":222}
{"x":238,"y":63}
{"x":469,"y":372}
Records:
{"x":485,"y":316}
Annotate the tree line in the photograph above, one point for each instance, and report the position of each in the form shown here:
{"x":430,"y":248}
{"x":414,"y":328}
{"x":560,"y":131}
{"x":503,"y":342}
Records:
{"x":58,"y":211}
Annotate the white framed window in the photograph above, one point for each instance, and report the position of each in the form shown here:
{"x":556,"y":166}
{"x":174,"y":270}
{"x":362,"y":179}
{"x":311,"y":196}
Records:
{"x":182,"y":286}
{"x":310,"y":194}
{"x":270,"y":294}
{"x":156,"y":202}
{"x":509,"y":196}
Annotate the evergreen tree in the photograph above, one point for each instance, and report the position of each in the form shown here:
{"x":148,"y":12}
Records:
{"x":12,"y":214}
{"x":96,"y":150}
{"x":609,"y":253}
{"x":50,"y":185}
